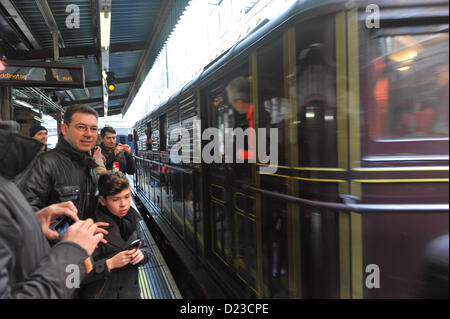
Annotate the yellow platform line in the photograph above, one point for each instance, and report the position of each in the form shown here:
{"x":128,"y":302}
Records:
{"x":143,"y":284}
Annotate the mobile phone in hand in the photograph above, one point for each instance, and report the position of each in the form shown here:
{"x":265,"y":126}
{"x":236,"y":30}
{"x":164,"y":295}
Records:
{"x":62,"y":225}
{"x":133,"y":245}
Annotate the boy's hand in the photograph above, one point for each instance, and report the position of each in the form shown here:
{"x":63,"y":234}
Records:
{"x":119,"y":260}
{"x":136,"y":257}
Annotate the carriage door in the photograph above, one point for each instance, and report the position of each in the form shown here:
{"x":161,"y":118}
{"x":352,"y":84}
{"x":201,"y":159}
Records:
{"x":231,"y":208}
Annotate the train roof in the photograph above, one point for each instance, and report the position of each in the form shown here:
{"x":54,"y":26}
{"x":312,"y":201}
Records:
{"x":306,"y":9}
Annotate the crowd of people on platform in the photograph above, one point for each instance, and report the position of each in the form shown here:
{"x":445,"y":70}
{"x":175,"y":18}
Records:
{"x":68,"y":208}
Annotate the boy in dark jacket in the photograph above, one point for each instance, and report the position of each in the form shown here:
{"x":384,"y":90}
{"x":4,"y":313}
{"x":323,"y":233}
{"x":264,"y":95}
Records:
{"x":115,"y":274}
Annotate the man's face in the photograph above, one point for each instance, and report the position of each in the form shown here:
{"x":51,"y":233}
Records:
{"x":41,"y":136}
{"x":238,"y":105}
{"x":109,"y":140}
{"x":82,"y":131}
{"x":118,"y":204}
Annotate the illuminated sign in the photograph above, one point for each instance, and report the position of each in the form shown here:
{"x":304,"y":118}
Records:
{"x":42,"y":74}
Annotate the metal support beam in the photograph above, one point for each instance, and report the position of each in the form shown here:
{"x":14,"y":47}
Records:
{"x":77,"y":51}
{"x":12,"y":11}
{"x":105,"y":12}
{"x":70,"y":95}
{"x":39,"y":94}
{"x":93,"y":100}
{"x":50,"y":20}
{"x":5,"y":103}
{"x":58,"y":121}
{"x":88,"y":94}
{"x":55,"y":46}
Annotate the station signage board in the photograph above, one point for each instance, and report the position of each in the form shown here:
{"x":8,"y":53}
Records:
{"x":42,"y":74}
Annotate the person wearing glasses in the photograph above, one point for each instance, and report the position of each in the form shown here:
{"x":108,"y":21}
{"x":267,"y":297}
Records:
{"x":67,"y":173}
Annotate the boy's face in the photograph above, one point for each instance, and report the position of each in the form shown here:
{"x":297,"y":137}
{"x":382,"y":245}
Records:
{"x":117,"y":204}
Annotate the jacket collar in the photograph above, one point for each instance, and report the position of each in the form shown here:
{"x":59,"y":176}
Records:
{"x":83,"y":157}
{"x":113,"y":238}
{"x":106,"y":149}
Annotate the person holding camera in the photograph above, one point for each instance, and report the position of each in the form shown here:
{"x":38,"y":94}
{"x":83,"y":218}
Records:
{"x":115,"y":273}
{"x":116,"y":155}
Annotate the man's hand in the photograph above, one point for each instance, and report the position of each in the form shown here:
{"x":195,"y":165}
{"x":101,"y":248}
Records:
{"x":101,"y":230}
{"x":85,"y":233}
{"x":126,"y":148}
{"x":49,"y":213}
{"x":118,"y":149}
{"x":122,"y":148}
{"x":97,"y":153}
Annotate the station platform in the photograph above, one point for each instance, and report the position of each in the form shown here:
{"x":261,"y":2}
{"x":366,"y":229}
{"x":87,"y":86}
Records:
{"x":155,"y":278}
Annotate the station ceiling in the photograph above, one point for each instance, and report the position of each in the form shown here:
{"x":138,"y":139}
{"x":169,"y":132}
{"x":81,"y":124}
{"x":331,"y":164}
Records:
{"x":139,"y":29}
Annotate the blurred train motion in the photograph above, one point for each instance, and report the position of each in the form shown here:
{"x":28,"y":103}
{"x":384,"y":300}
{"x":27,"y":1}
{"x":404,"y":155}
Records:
{"x":361,"y":186}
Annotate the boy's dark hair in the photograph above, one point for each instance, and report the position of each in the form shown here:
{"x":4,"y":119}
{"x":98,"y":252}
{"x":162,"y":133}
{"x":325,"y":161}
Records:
{"x":107,"y":129}
{"x":112,"y":183}
{"x":71,"y":110}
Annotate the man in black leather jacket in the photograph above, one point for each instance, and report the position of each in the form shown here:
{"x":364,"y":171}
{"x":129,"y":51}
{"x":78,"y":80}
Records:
{"x":67,"y":173}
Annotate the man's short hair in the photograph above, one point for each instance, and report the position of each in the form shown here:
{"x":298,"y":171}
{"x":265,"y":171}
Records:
{"x":112,"y":183}
{"x":71,"y":110}
{"x":107,"y":129}
{"x":239,"y":89}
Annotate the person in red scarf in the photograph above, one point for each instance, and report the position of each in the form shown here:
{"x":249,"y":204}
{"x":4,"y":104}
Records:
{"x":238,"y":91}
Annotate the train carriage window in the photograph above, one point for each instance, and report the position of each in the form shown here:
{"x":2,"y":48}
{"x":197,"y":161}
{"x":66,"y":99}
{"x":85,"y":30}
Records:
{"x":273,"y":112}
{"x":273,"y":105}
{"x":316,"y":87}
{"x":407,"y":83}
{"x":148,"y":133}
{"x":231,"y":107}
{"x":163,"y":132}
{"x":136,"y":142}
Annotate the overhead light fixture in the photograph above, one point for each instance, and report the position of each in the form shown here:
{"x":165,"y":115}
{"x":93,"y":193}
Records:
{"x":23,"y":103}
{"x":105,"y":23}
{"x":36,"y":118}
